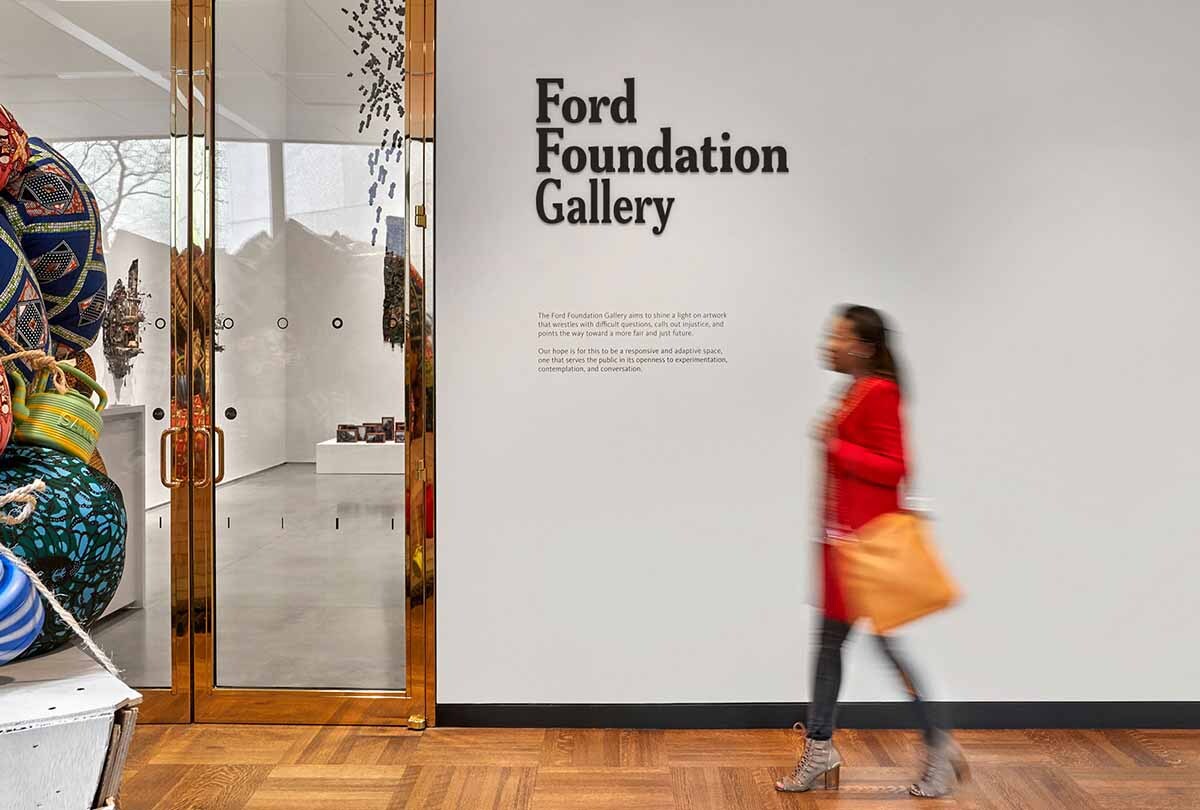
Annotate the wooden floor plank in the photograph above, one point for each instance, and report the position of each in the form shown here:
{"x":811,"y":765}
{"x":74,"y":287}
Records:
{"x":605,"y":747}
{"x":728,"y":789}
{"x":232,"y":745}
{"x":603,"y":788}
{"x":753,"y":748}
{"x":337,"y":787}
{"x":176,"y":787}
{"x":438,"y":787}
{"x":347,"y":768}
{"x":1148,"y":788}
{"x":480,"y":746}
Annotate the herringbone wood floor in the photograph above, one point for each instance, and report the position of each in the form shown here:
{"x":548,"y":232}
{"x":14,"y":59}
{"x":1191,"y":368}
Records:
{"x":310,"y":768}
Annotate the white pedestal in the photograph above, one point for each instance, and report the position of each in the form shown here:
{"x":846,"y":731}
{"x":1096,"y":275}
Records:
{"x":123,"y":447}
{"x":360,"y":458}
{"x":58,"y":739}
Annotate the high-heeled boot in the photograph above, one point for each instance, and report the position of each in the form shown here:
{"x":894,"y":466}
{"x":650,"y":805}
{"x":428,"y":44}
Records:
{"x":820,"y":761}
{"x":945,"y":768}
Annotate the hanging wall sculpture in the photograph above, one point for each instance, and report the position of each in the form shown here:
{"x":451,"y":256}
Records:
{"x":379,"y":27}
{"x":123,"y":325}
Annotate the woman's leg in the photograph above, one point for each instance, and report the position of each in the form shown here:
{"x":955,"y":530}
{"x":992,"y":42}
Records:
{"x":827,"y":681}
{"x":821,"y":761}
{"x":928,"y":718}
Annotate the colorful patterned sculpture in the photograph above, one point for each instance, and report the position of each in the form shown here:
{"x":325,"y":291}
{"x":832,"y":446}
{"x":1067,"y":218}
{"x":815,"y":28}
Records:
{"x":14,"y":147}
{"x":56,"y":217}
{"x":74,"y":540}
{"x":21,"y":613}
{"x":22,"y":310}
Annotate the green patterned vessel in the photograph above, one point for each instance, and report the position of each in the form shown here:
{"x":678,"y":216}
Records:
{"x":74,"y":540}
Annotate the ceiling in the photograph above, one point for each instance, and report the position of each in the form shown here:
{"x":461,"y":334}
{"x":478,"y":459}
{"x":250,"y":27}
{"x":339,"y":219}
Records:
{"x":98,"y":68}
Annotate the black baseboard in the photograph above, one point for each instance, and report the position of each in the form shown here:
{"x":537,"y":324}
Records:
{"x":1149,"y":714}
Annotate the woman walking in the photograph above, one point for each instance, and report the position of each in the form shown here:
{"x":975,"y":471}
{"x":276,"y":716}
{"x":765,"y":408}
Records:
{"x":865,"y":464}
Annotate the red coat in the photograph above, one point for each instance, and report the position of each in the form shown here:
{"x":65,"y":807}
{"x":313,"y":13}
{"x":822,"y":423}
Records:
{"x":864,"y":465}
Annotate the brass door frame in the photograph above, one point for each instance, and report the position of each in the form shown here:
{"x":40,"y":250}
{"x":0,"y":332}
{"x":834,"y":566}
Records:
{"x":174,"y":704}
{"x":209,"y":703}
{"x":419,"y":345}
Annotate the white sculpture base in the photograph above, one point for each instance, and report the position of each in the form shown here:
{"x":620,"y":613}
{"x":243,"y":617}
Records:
{"x":360,"y":458}
{"x":65,"y":728}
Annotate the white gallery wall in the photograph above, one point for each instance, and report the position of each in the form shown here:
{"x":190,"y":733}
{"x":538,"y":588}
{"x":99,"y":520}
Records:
{"x":1014,"y":182}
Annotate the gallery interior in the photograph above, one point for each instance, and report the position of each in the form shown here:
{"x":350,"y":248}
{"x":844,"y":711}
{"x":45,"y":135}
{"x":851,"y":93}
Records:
{"x":220,"y":557}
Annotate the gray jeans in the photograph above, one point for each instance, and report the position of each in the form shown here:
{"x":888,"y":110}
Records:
{"x":827,"y":683}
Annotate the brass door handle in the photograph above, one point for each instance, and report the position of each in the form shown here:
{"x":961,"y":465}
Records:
{"x":202,"y":481}
{"x":220,"y":476}
{"x":165,"y":448}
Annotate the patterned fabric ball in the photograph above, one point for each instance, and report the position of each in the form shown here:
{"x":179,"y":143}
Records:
{"x":14,"y":146}
{"x":74,"y":540}
{"x":21,"y":612}
{"x":58,"y":221}
{"x":22,"y":310}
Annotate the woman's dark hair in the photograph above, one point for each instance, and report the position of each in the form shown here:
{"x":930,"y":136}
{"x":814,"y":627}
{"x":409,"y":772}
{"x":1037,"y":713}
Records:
{"x":871,"y":328}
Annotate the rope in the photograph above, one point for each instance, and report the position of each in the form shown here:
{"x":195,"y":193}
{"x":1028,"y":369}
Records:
{"x":27,"y":497}
{"x":37,"y":359}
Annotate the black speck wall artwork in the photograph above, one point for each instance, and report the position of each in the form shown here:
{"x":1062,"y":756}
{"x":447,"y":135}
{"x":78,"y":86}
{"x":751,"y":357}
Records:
{"x":378,"y":26}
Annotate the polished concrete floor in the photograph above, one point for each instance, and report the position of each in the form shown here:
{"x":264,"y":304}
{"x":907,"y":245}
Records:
{"x":310,"y":585}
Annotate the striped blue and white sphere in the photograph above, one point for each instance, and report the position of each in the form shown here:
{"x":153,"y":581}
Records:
{"x":21,"y":612}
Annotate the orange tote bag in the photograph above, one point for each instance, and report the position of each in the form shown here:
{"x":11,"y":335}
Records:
{"x":891,"y":572}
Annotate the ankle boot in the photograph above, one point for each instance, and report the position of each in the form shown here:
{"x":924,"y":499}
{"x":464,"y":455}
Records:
{"x":945,"y":767}
{"x":820,"y":762}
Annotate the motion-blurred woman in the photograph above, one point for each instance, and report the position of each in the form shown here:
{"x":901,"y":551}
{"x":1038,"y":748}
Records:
{"x":865,"y":465}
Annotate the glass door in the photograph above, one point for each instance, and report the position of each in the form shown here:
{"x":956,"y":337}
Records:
{"x":309,"y":591}
{"x":102,"y":88}
{"x":262,"y":175}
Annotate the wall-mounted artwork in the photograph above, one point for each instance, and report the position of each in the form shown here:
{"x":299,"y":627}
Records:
{"x":123,"y":325}
{"x":379,"y":27}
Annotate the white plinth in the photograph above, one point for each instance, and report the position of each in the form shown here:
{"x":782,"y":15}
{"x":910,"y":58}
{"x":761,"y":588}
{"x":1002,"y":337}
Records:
{"x":360,"y":458}
{"x":123,"y":447}
{"x":56,"y":730}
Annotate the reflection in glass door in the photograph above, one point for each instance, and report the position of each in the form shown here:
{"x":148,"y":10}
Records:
{"x":302,"y":575}
{"x":94,"y":82}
